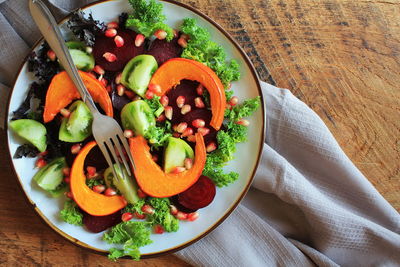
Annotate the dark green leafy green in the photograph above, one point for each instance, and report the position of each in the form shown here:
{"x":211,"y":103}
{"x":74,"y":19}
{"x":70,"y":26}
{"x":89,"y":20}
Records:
{"x":132,"y":235}
{"x":162,"y":215}
{"x":71,"y":214}
{"x":132,"y":208}
{"x":94,"y":182}
{"x":201,"y":48}
{"x":147,"y":17}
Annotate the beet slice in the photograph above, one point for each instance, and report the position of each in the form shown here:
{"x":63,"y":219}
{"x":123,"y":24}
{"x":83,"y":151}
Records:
{"x":97,"y":224}
{"x":199,"y":195}
{"x":125,"y":53}
{"x":162,"y":50}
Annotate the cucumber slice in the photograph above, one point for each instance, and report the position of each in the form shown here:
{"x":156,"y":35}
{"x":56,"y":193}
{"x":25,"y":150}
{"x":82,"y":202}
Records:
{"x":82,"y":60}
{"x":137,"y":73}
{"x":127,"y":186}
{"x":32,"y":131}
{"x":138,"y":117}
{"x":51,"y":176}
{"x":175,"y":154}
{"x":78,"y":126}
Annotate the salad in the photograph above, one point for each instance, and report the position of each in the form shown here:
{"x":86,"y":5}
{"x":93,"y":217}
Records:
{"x":170,"y":91}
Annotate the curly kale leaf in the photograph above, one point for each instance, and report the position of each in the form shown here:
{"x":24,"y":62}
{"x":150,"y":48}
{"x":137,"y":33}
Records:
{"x":147,"y":17}
{"x":85,"y":29}
{"x":71,"y":214}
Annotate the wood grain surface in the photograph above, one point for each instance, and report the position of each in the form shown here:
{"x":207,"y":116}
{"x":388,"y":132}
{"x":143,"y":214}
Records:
{"x":340,"y":57}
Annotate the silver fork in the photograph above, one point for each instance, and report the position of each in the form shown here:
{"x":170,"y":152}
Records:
{"x":106,"y":131}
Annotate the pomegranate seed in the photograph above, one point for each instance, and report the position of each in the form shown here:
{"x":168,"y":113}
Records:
{"x":40,"y":163}
{"x":188,"y":131}
{"x":198,"y":123}
{"x":99,"y":70}
{"x":66,"y":171}
{"x":211,"y":147}
{"x":185,"y":36}
{"x":67,"y":180}
{"x":228,"y":106}
{"x":91,"y":170}
{"x":139,"y":40}
{"x":155,"y":88}
{"x":147,"y":209}
{"x":186,"y":109}
{"x":127,"y":216}
{"x":65,"y":112}
{"x":110,"y":57}
{"x":161,"y":118}
{"x":128,"y":133}
{"x":119,"y":41}
{"x":88,"y":49}
{"x":176,"y":135}
{"x":149,"y":94}
{"x":173,"y":210}
{"x":200,"y":89}
{"x":99,"y":188}
{"x":110,"y":33}
{"x":110,"y":192}
{"x":178,"y":169}
{"x":233,"y":101}
{"x":139,"y":216}
{"x":191,"y":138}
{"x":120,"y":89}
{"x":141,"y":194}
{"x":182,"y":42}
{"x":91,"y":74}
{"x":158,"y":229}
{"x":69,"y":195}
{"x":160,"y":34}
{"x":44,"y":153}
{"x":181,"y":127}
{"x":108,"y":88}
{"x":164,"y":100}
{"x":181,"y":215}
{"x":188,"y":162}
{"x":154,"y":158}
{"x":136,"y":98}
{"x":103,"y":81}
{"x":168,"y":112}
{"x":180,"y":101}
{"x":51,"y":55}
{"x":243,"y":122}
{"x":203,"y":131}
{"x":175,"y":32}
{"x":112,"y":25}
{"x":192,"y":216}
{"x":229,"y":86}
{"x":130,"y":94}
{"x":75,"y":148}
{"x":199,"y":103}
{"x":118,"y":78}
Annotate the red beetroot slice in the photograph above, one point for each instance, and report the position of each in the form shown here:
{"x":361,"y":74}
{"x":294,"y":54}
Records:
{"x":162,"y":50}
{"x":97,"y":224}
{"x":125,"y":53}
{"x":199,"y":195}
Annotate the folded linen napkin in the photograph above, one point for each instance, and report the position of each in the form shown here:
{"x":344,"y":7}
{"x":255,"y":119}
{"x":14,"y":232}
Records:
{"x":308,"y":205}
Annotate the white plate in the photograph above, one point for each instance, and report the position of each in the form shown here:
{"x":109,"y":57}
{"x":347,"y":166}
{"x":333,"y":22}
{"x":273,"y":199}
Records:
{"x":247,"y":155}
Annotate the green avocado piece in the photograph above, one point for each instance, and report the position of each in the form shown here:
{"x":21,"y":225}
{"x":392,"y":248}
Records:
{"x":137,"y":73}
{"x":82,"y":60}
{"x":32,"y":131}
{"x":138,"y":117}
{"x":78,"y":126}
{"x":127,"y":186}
{"x":51,"y":176}
{"x":175,"y":153}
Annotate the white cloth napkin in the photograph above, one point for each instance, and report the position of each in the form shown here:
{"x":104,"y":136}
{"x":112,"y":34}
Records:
{"x":309,"y":205}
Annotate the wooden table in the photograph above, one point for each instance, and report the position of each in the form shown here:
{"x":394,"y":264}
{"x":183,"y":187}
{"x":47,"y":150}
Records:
{"x":340,"y":57}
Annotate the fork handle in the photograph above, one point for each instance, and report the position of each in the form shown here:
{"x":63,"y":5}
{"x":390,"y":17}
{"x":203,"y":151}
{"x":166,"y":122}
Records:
{"x":49,"y":28}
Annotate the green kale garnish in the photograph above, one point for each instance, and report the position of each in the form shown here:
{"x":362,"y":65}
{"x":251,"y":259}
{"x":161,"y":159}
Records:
{"x":132,"y":235}
{"x":202,"y":49}
{"x":162,"y":215}
{"x":71,"y":214}
{"x":93,"y":182}
{"x":147,"y":17}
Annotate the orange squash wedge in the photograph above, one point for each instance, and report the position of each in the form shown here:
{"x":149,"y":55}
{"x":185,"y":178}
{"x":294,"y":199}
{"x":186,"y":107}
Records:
{"x":62,"y":92}
{"x":93,"y":203}
{"x":174,"y":70}
{"x":153,"y":180}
